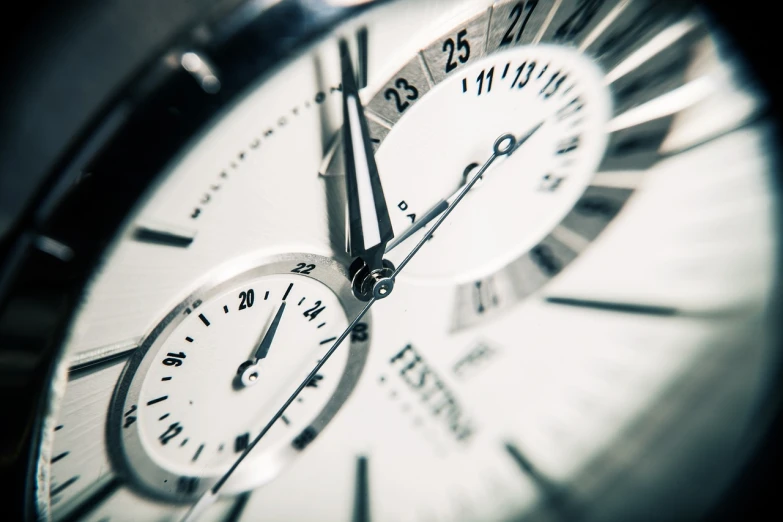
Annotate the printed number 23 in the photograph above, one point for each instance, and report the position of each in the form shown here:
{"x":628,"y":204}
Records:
{"x":393,"y":95}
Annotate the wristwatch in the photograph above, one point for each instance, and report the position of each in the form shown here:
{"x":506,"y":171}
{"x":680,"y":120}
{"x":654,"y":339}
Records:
{"x":388,"y":260}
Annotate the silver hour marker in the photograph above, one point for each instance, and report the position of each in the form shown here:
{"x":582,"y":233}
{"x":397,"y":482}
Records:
{"x":54,"y":248}
{"x":361,"y":506}
{"x":630,"y":28}
{"x":636,"y":147}
{"x":198,"y":452}
{"x":554,"y":493}
{"x":594,"y":210}
{"x":59,"y":488}
{"x":361,"y":64}
{"x":236,"y":510}
{"x":624,"y":180}
{"x":666,"y":38}
{"x":601,"y":27}
{"x":164,"y":234}
{"x":89,"y":358}
{"x":627,"y":308}
{"x":97,"y":497}
{"x":60,"y":456}
{"x":570,"y":238}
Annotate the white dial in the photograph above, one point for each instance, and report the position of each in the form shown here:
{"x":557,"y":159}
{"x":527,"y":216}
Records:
{"x":595,"y":288}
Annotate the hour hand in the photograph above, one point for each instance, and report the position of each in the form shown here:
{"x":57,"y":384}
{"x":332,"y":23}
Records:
{"x":369,"y":227}
{"x":269,"y":336}
{"x":247,"y":373}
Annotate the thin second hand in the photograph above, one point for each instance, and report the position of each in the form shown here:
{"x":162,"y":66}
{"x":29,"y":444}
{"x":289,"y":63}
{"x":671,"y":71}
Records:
{"x":496,"y":153}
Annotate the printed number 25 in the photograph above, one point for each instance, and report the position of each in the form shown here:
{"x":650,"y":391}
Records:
{"x":462,"y":45}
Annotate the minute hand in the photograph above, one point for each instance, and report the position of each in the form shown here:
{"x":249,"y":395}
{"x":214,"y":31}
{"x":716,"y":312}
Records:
{"x":505,"y":145}
{"x":369,"y":226}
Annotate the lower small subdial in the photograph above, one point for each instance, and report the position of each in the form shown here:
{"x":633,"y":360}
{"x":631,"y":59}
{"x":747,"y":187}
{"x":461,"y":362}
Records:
{"x":212,"y":374}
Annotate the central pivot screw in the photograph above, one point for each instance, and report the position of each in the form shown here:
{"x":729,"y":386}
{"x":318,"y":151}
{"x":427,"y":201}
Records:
{"x":382,"y":284}
{"x":247,"y":375}
{"x":366,"y":284}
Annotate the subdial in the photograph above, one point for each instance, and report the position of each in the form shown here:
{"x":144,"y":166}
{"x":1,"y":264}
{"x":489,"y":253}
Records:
{"x":216,"y":369}
{"x":554,"y":95}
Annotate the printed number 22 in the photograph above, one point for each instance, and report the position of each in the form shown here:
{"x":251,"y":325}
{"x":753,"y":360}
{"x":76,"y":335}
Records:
{"x":303,"y":268}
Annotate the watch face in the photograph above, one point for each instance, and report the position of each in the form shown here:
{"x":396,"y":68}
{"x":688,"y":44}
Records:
{"x":412,"y":260}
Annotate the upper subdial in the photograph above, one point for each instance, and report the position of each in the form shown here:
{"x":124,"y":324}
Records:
{"x":528,"y":194}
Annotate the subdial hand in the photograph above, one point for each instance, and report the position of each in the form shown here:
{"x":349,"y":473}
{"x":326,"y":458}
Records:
{"x":266,"y":342}
{"x":248,"y":371}
{"x":444,"y":204}
{"x":369,"y":226}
